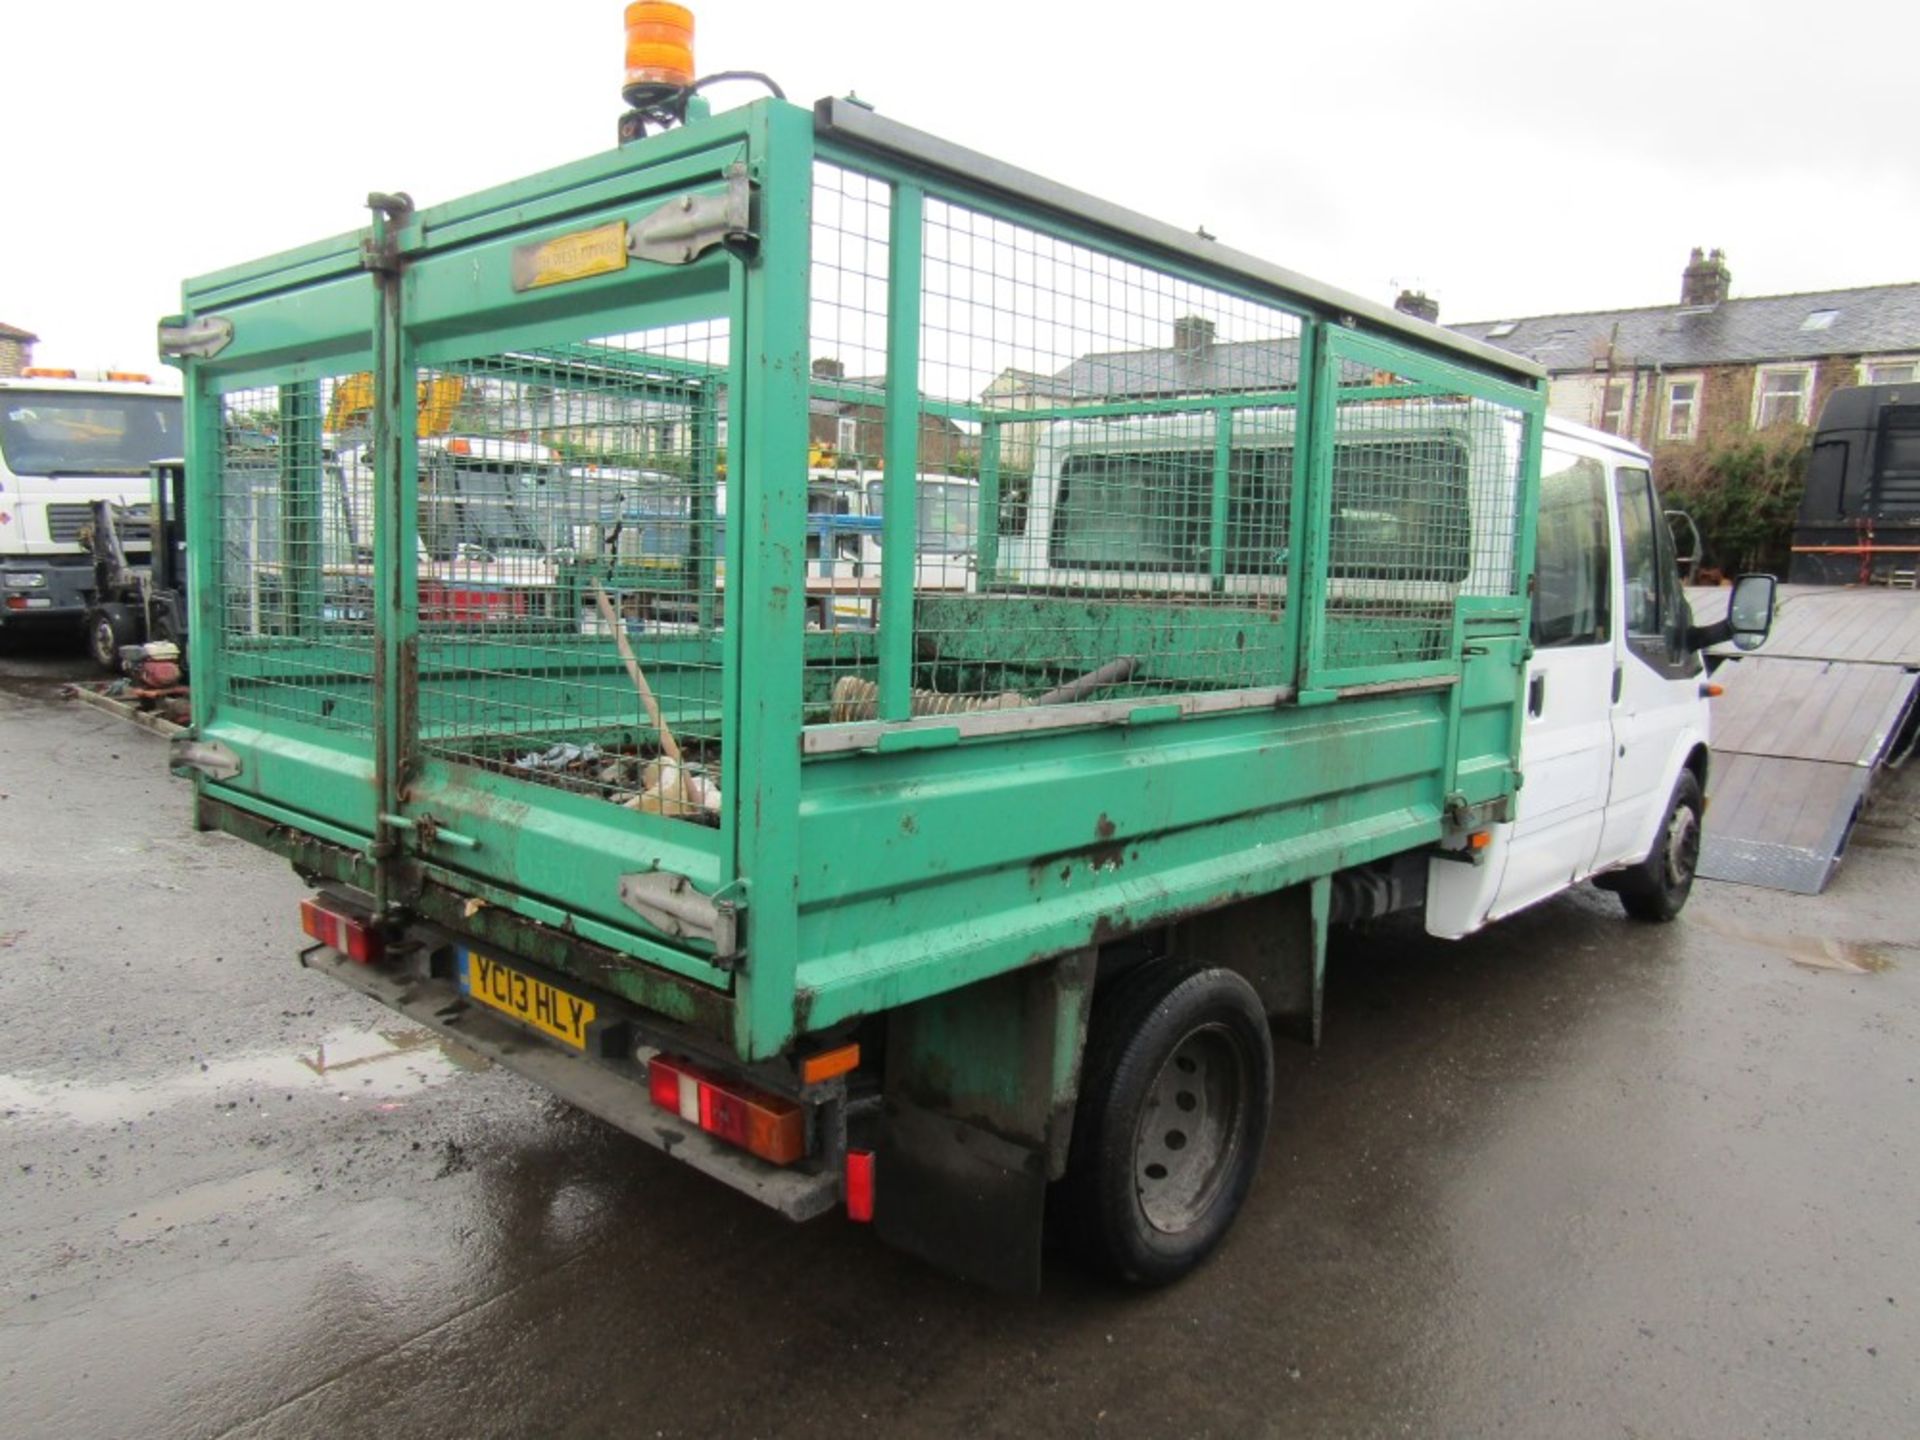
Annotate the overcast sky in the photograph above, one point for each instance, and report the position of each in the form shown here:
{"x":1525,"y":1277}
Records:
{"x":1509,"y":156}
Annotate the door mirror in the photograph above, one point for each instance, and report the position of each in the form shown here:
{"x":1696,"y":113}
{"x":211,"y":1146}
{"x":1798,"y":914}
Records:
{"x":1750,"y":615}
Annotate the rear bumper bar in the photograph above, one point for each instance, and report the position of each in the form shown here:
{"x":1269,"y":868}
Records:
{"x":615,"y":1092}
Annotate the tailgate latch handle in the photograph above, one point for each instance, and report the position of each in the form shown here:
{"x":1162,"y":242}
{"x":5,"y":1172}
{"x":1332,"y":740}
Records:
{"x":431,"y":832}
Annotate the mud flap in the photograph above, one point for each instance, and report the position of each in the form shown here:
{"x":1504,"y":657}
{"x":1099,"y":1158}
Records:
{"x":1279,"y":943}
{"x":960,"y":1197}
{"x":980,"y":1090}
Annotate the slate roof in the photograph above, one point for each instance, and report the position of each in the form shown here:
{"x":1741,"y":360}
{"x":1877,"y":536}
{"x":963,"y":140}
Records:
{"x":1873,"y":320}
{"x":1210,"y":369}
{"x":14,"y":332}
{"x":1241,"y":365}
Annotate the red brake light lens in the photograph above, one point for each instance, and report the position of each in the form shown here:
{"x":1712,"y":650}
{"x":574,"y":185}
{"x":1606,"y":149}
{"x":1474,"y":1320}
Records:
{"x":766,"y":1125}
{"x":354,"y":936}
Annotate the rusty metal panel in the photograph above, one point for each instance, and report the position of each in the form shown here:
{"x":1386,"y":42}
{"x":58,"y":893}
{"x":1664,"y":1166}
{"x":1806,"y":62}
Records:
{"x":1799,"y":743}
{"x":1780,"y":824}
{"x":1800,"y":731}
{"x":1810,"y":709}
{"x":1825,"y":622}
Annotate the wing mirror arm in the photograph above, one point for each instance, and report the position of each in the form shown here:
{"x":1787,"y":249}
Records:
{"x":1705,"y":637}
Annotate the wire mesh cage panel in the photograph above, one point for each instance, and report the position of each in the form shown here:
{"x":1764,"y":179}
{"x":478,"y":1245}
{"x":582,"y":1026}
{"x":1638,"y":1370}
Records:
{"x":1102,"y":486}
{"x":846,"y":421}
{"x":571,"y":508}
{"x":295,"y":555}
{"x":1422,"y":509}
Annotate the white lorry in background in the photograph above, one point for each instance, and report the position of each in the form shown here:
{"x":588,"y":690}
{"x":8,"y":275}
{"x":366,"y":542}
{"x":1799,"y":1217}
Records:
{"x":947,"y":528}
{"x":66,"y":442}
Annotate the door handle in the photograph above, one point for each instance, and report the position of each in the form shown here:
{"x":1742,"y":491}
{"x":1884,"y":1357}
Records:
{"x":1619,"y":674}
{"x":1537,"y":694}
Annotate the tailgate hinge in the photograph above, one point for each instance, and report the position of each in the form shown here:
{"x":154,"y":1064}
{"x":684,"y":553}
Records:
{"x":200,"y":338}
{"x":670,"y":904}
{"x":209,"y":757}
{"x":681,"y":231}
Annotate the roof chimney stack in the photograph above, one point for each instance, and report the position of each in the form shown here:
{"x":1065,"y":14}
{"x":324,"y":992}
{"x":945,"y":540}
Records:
{"x":1418,"y":304}
{"x":1192,"y":334}
{"x":1706,"y":280}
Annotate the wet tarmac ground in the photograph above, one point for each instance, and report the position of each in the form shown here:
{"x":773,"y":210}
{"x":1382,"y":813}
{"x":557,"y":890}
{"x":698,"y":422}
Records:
{"x":1574,"y":1177}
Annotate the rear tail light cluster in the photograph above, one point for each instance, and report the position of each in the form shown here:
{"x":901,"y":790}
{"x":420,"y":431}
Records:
{"x":354,"y":936}
{"x":765,"y":1125}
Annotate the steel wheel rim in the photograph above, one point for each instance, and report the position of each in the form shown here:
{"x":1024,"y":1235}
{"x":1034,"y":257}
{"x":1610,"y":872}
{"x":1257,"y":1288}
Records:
{"x":1188,"y":1137}
{"x":1683,"y":846}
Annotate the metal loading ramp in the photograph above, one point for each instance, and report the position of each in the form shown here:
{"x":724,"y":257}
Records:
{"x":1801,"y":732}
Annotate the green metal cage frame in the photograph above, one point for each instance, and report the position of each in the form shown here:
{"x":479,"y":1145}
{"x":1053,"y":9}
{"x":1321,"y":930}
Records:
{"x":870,"y":865}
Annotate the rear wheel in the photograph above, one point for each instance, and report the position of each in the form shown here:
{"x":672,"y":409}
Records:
{"x":1175,"y":1098}
{"x":1656,"y":889}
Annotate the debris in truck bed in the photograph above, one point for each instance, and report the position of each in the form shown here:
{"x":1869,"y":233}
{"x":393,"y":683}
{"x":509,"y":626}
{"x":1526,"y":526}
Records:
{"x":670,"y":787}
{"x":618,"y":626}
{"x":857,"y":699}
{"x":654,"y":785}
{"x":562,"y":756}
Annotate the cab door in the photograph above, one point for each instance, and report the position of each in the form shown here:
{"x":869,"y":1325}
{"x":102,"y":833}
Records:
{"x":1566,"y":744}
{"x":1656,"y":701}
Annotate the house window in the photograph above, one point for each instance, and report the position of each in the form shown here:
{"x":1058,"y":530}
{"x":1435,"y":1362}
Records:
{"x":847,"y":436}
{"x":1683,"y":408}
{"x":1782,"y":393}
{"x":1892,"y":370}
{"x":1613,"y":408}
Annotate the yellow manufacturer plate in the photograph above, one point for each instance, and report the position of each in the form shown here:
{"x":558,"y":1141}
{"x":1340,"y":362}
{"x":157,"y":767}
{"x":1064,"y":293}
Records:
{"x":551,"y":1011}
{"x":599,"y":251}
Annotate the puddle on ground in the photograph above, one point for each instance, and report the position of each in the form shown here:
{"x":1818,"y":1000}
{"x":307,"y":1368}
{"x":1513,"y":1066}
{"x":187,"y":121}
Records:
{"x":212,"y":1201}
{"x":1816,"y":952}
{"x":376,"y":1064}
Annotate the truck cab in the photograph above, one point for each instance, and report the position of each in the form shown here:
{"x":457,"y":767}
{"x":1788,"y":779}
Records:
{"x":66,"y":442}
{"x":1613,"y":752}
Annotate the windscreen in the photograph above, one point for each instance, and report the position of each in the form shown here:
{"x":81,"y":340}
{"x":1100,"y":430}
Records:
{"x":949,"y":513}
{"x":1399,"y":510}
{"x":55,"y":432}
{"x":483,"y":507}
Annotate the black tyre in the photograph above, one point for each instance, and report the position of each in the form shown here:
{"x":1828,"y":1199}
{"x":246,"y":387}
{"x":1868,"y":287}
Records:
{"x":108,"y":628}
{"x":1656,"y":889}
{"x":1175,"y":1095}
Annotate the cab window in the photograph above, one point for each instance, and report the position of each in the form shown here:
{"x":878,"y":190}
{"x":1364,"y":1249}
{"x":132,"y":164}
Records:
{"x":1641,"y":553}
{"x":1654,"y":607}
{"x":1574,"y":570}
